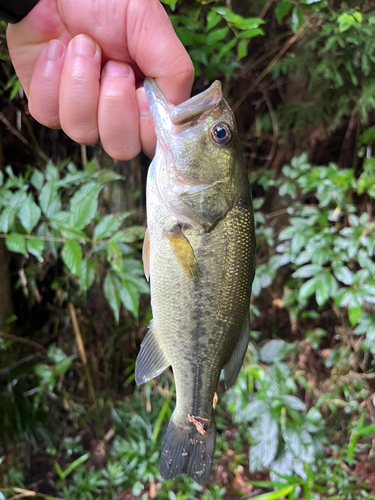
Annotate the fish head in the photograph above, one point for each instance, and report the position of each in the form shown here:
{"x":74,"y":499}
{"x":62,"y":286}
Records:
{"x":197,"y":152}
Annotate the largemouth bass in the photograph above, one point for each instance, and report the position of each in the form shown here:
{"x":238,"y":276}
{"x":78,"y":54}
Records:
{"x":199,"y":255}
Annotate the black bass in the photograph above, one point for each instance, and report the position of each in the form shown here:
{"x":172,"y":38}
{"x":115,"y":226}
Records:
{"x":199,"y":255}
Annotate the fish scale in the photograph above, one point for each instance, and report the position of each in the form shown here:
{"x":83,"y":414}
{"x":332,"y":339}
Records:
{"x":199,"y":254}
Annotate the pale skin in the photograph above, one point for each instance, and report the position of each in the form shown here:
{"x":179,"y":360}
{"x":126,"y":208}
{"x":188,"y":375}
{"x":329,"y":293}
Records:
{"x":81,"y":62}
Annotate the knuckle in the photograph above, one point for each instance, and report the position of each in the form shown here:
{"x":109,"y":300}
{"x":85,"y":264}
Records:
{"x":121,"y":153}
{"x":82,"y":135}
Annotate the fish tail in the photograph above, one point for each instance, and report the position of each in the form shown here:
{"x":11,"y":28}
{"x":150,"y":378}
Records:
{"x":188,"y":450}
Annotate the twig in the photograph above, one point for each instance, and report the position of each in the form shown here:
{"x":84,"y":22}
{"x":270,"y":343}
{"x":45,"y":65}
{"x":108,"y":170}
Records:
{"x":27,"y":493}
{"x":20,"y":362}
{"x":275,"y":129}
{"x":283,"y":211}
{"x":22,"y":340}
{"x":83,"y":155}
{"x":34,"y":141}
{"x":81,"y":350}
{"x":44,"y":238}
{"x":265,"y":9}
{"x":290,"y":42}
{"x":19,"y":136}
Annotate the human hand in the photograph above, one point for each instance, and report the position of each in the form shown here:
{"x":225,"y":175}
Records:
{"x":80,"y":63}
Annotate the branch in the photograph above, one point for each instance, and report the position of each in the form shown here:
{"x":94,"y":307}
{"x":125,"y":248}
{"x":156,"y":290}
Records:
{"x":290,"y":42}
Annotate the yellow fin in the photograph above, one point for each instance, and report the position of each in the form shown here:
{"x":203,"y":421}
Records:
{"x":183,"y":251}
{"x":146,"y":255}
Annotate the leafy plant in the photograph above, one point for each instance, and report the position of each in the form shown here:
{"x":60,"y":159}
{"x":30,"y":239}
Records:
{"x":55,"y":212}
{"x":215,"y":37}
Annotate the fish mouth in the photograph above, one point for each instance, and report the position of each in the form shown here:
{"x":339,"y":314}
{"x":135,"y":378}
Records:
{"x":166,"y":115}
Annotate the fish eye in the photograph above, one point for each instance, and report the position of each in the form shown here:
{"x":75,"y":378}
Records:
{"x":221,"y":133}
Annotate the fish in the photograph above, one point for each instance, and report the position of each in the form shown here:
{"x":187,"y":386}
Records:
{"x":199,"y":255}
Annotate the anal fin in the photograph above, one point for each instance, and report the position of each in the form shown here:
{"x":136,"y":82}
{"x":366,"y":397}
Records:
{"x":233,"y":366}
{"x":151,"y":360}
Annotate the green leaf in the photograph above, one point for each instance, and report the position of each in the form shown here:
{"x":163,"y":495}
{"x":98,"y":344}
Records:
{"x":83,"y":205}
{"x":298,"y":241}
{"x":307,"y":289}
{"x":228,"y":15}
{"x":254,"y":410}
{"x":104,"y":176}
{"x":293,"y":402}
{"x":250,"y":33}
{"x":16,"y":243}
{"x":344,"y":275}
{"x":248,"y":23}
{"x":307,"y":271}
{"x":51,"y":171}
{"x":242,"y":49}
{"x":112,"y":289}
{"x":216,"y":35}
{"x":35,"y":246}
{"x":130,"y":297}
{"x":283,"y":9}
{"x":321,"y":291}
{"x":274,"y":495}
{"x":227,"y":47}
{"x":49,"y":200}
{"x":274,"y":350}
{"x":265,"y":435}
{"x":212,"y":20}
{"x":72,"y":257}
{"x":71,"y":233}
{"x":63,"y":366}
{"x":171,"y":3}
{"x":29,"y":214}
{"x":50,"y":244}
{"x":88,"y":270}
{"x":7,"y":219}
{"x":37,"y":179}
{"x":79,"y":461}
{"x":59,"y":219}
{"x":297,"y":19}
{"x":106,"y":227}
{"x":367,"y":136}
{"x":354,"y":314}
{"x":55,"y":354}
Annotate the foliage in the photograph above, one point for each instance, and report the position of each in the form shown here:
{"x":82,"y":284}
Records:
{"x":54,"y":214}
{"x":338,"y":58}
{"x":215,"y":37}
{"x":298,"y":423}
{"x":328,"y":245}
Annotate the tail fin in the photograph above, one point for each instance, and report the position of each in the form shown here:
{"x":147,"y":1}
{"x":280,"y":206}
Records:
{"x":188,"y":451}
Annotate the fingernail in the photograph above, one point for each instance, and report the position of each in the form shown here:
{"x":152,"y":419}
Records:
{"x":84,"y":46}
{"x":114,"y":68}
{"x":55,"y":49}
{"x":143,"y":108}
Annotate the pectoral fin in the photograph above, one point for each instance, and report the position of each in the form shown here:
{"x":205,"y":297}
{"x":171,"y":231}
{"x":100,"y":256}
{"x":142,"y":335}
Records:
{"x":146,"y":255}
{"x":151,"y":360}
{"x":233,"y":367}
{"x":183,"y":251}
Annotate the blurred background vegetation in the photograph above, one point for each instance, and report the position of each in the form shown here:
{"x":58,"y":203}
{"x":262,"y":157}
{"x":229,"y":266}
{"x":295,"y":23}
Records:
{"x":74,"y":305}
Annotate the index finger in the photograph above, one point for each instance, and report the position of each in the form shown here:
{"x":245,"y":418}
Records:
{"x":154,"y":46}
